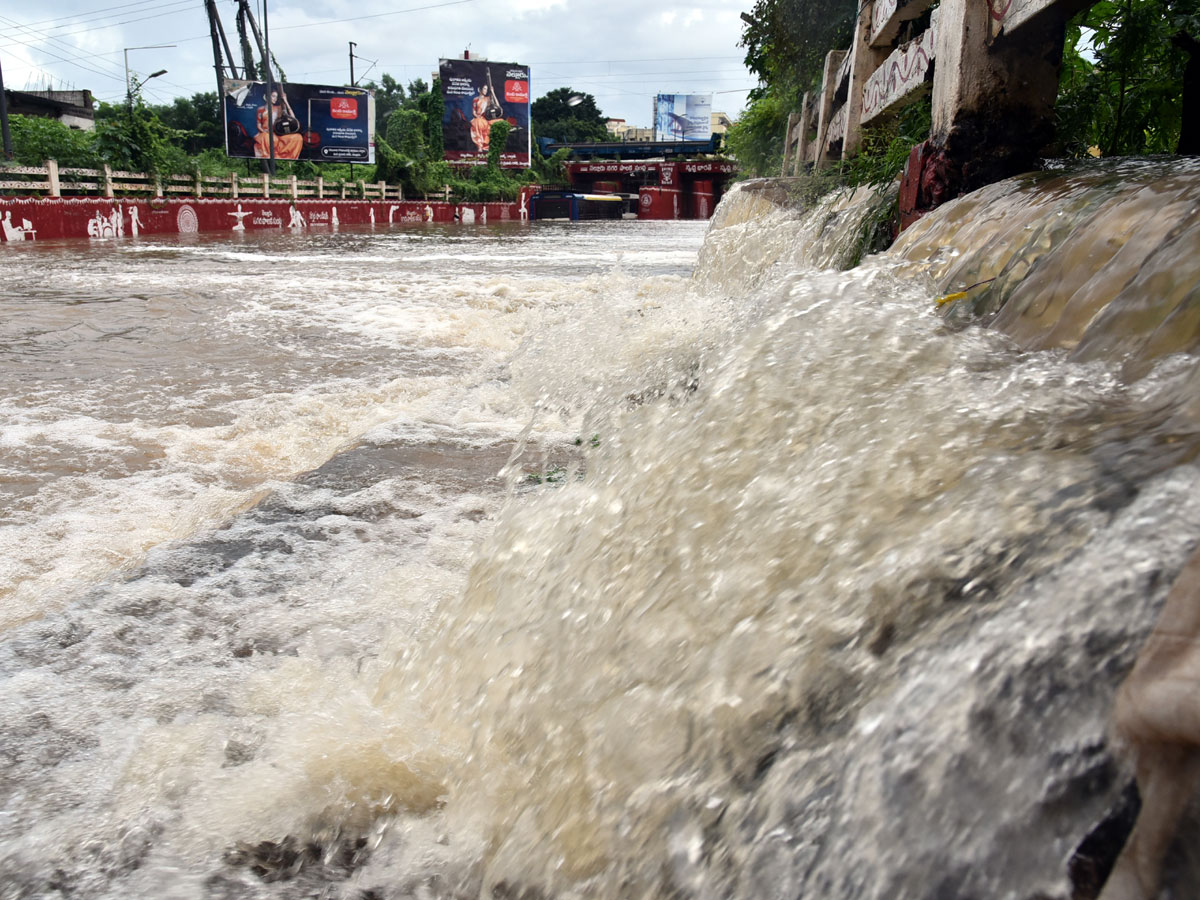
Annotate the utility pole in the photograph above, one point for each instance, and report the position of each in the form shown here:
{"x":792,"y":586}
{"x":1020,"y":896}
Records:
{"x":7,"y":138}
{"x":270,"y":83}
{"x":352,"y":46}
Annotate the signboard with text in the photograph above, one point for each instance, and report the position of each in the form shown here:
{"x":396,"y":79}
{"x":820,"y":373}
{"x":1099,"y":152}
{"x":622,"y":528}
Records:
{"x":477,"y":93}
{"x":683,"y":117}
{"x":315,"y":122}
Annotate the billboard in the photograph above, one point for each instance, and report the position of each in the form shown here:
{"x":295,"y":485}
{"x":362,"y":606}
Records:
{"x":310,"y":121}
{"x":476,"y":94}
{"x":683,"y":117}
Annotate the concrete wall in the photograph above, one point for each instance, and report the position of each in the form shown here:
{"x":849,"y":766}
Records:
{"x":992,"y":68}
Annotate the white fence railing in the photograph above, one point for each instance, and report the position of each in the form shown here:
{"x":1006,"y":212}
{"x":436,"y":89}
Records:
{"x":52,"y":180}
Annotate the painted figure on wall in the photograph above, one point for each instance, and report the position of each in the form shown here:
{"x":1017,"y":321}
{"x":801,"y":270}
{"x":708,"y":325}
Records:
{"x":24,"y":232}
{"x":239,"y":215}
{"x":112,"y":225}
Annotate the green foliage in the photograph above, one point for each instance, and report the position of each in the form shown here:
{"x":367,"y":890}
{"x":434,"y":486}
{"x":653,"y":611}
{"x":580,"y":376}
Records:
{"x":407,"y":133}
{"x":36,"y":140}
{"x":885,"y":148}
{"x":786,"y":40}
{"x":435,"y":110}
{"x":213,"y":161}
{"x":497,"y":139}
{"x":548,"y":170}
{"x":484,"y":184}
{"x":417,"y":89}
{"x":138,"y":141}
{"x":756,"y":138}
{"x":390,"y":165}
{"x":389,"y":97}
{"x":1128,"y":100}
{"x":404,"y":156}
{"x":198,"y":120}
{"x":555,"y":117}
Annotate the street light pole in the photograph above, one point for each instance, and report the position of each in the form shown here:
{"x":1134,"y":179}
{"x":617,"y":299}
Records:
{"x":128,"y":84}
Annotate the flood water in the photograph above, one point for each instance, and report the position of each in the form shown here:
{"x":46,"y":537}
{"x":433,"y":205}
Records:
{"x":500,"y":561}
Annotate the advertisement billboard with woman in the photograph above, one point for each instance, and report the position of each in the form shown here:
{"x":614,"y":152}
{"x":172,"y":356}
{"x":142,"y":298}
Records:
{"x":301,"y":121}
{"x":476,"y":94}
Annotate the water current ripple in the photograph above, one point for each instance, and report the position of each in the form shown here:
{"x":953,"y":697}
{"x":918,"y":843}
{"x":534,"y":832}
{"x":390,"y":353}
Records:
{"x":526,"y":563}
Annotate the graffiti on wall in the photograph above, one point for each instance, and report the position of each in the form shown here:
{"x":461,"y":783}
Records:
{"x":902,"y":72}
{"x":1009,"y":15}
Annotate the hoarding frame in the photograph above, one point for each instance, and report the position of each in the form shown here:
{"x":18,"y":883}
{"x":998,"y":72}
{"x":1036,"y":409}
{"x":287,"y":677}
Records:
{"x":472,"y":102}
{"x":344,"y":132}
{"x":670,"y":125}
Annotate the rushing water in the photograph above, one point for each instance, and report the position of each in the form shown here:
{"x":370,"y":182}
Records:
{"x":511,"y":561}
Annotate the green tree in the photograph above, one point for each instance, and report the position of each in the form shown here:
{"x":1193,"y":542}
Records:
{"x":786,"y":43}
{"x":786,"y":40}
{"x":138,"y":141}
{"x":417,"y":89}
{"x":568,"y":116}
{"x":1122,"y":86}
{"x":389,"y":97}
{"x":434,"y":110}
{"x":198,"y":119}
{"x":756,"y":138}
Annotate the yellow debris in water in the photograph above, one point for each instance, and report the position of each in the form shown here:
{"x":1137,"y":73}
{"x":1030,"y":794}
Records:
{"x":950,"y":298}
{"x":1094,"y":152}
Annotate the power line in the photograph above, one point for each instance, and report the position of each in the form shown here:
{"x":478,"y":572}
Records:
{"x":83,"y":17}
{"x":49,"y":38}
{"x":159,"y":15}
{"x":397,"y":12}
{"x":117,"y":73}
{"x":73,"y":62}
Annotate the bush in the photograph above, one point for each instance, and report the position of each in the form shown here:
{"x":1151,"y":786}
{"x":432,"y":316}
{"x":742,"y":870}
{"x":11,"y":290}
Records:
{"x":756,"y":139}
{"x":36,"y":140}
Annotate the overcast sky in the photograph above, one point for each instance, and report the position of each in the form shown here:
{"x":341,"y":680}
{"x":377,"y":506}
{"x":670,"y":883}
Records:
{"x":621,"y":51}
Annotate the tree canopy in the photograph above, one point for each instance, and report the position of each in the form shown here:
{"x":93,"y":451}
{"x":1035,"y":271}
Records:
{"x":786,"y":40}
{"x":1125,"y":77}
{"x":568,"y":116}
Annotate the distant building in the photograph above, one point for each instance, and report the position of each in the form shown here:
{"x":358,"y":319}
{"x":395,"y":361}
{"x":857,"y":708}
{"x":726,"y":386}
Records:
{"x":75,"y":109}
{"x":622,"y":131}
{"x":720,"y":123}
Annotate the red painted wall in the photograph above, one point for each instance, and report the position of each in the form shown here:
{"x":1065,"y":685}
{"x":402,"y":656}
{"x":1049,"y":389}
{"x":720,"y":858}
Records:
{"x":660,"y":203}
{"x":46,"y":218}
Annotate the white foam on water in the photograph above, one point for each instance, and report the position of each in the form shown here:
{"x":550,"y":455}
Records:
{"x":579,"y":542}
